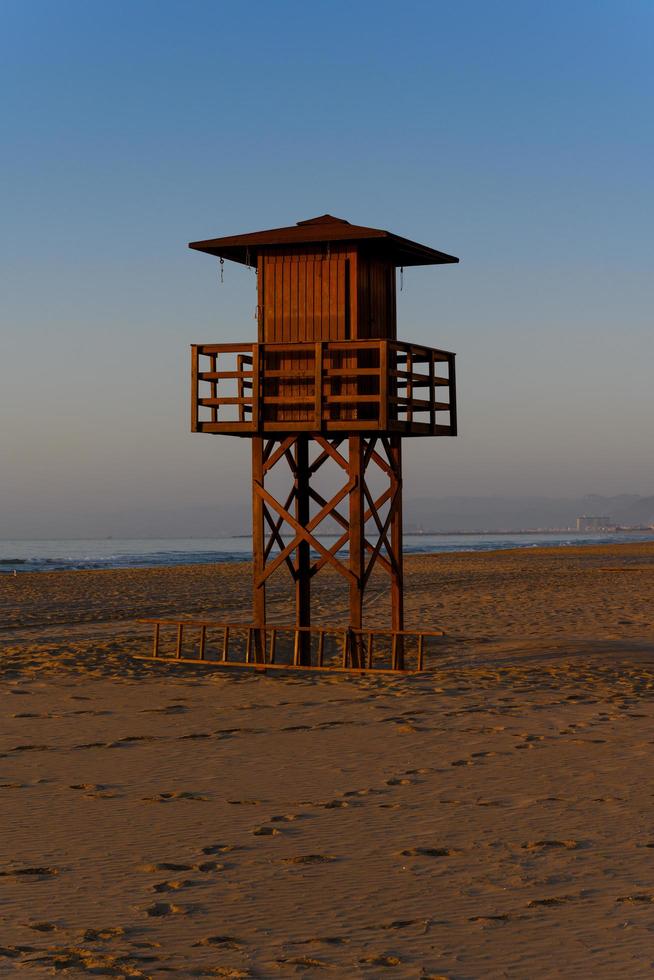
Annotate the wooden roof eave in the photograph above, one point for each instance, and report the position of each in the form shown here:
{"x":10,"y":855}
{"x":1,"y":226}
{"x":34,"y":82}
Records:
{"x":243,"y":248}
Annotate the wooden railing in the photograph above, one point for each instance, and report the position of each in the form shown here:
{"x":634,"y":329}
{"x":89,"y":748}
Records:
{"x":362,"y":385}
{"x":288,"y":646}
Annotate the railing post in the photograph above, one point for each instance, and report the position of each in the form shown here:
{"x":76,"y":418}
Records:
{"x":213,"y":360}
{"x":240,"y":387}
{"x":257,"y":386}
{"x":452,"y":390}
{"x":432,"y":392}
{"x":318,"y":385}
{"x":195,"y":393}
{"x":383,"y":386}
{"x":409,"y":385}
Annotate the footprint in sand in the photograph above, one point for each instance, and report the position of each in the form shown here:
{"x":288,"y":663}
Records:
{"x":172,"y":886}
{"x":95,"y":791}
{"x":161,"y":909}
{"x":225,"y":942}
{"x":310,"y":859}
{"x":206,"y":867}
{"x":538,"y":845}
{"x":403,"y":923}
{"x":166,"y":866}
{"x":128,"y":740}
{"x":490,"y":919}
{"x":644,"y":897}
{"x":65,"y":958}
{"x":307,"y":961}
{"x":327,"y":940}
{"x":433,"y":852}
{"x":42,"y":926}
{"x":227,"y":971}
{"x":266,"y":832}
{"x":170,"y":797}
{"x":380,"y":960}
{"x":549,"y":902}
{"x":102,"y":935}
{"x":38,"y":872}
{"x":169,"y":709}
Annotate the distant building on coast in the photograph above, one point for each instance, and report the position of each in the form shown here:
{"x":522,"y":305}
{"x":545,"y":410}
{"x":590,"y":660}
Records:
{"x":587,"y":523}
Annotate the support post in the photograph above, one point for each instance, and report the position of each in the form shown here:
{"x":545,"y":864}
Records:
{"x":258,"y":538}
{"x":303,"y":550}
{"x":357,"y":547}
{"x":397,"y":572}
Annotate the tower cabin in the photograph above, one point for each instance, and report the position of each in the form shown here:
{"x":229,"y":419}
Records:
{"x":327,"y":357}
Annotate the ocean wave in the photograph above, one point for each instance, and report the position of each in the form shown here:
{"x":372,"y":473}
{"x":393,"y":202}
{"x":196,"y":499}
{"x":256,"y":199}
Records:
{"x":71,"y":555}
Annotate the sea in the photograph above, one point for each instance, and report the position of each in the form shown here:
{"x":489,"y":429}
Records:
{"x":71,"y":555}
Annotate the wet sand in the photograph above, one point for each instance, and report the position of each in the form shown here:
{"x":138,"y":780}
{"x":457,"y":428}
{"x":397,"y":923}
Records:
{"x":488,"y":818}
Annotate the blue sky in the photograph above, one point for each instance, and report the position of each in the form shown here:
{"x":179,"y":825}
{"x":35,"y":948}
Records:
{"x":516,"y":135}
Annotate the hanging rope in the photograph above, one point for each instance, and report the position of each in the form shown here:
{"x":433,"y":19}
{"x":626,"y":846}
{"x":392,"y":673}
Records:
{"x":221,"y":267}
{"x":401,"y":278}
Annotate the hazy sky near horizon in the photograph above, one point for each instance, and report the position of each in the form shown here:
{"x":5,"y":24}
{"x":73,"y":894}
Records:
{"x":518,"y":136}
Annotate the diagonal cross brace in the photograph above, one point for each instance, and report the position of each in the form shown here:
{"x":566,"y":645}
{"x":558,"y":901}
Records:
{"x":304,"y":534}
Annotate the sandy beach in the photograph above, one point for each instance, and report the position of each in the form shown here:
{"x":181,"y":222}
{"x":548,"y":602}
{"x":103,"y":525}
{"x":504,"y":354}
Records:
{"x":488,"y":818}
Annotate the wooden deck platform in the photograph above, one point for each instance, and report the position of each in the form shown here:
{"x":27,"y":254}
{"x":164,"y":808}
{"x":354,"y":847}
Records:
{"x":354,"y":386}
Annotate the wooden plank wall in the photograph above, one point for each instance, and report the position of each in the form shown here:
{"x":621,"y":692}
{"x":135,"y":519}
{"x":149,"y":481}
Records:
{"x":325,"y":293}
{"x":304,"y":294}
{"x":377,"y":299}
{"x":376,"y":319}
{"x":321,"y":292}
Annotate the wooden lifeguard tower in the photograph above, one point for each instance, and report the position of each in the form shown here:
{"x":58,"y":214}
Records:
{"x":326,"y":383}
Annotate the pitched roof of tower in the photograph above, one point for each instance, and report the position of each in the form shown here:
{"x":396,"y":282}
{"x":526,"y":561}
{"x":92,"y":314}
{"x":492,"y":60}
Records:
{"x":325,"y":228}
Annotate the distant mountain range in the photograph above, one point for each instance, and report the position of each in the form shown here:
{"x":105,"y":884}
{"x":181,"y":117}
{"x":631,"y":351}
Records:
{"x":523,"y":513}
